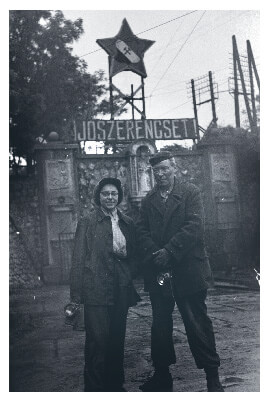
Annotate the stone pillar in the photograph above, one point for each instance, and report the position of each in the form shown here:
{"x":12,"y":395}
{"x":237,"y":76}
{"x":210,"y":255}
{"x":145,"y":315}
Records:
{"x":58,"y":205}
{"x":221,"y":200}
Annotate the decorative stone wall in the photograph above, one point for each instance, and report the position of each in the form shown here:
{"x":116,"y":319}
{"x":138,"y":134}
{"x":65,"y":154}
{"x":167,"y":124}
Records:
{"x":22,"y":273}
{"x":190,"y":168}
{"x":24,"y":209}
{"x":24,"y":238}
{"x":91,"y":170}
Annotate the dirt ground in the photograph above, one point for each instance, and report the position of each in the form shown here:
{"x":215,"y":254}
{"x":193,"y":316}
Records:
{"x":46,"y":355}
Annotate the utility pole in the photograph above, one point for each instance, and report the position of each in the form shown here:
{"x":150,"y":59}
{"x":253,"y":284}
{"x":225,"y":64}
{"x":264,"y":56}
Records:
{"x":252,"y":92}
{"x":212,"y":97}
{"x":252,"y":65}
{"x":195,"y":107}
{"x":238,"y":64}
{"x":244,"y":78}
{"x":207,"y":91}
{"x":236,"y":92}
{"x":251,"y":57}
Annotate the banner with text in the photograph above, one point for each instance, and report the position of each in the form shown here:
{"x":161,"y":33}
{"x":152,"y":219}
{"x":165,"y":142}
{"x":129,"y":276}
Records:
{"x":131,"y":130}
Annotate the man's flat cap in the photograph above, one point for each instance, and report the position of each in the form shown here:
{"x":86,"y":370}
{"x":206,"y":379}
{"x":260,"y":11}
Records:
{"x":159,"y":157}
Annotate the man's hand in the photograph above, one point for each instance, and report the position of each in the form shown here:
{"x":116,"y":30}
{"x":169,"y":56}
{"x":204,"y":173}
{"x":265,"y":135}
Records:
{"x":161,"y":257}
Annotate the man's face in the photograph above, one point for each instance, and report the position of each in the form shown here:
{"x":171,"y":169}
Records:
{"x":109,"y":197}
{"x":164,"y":173}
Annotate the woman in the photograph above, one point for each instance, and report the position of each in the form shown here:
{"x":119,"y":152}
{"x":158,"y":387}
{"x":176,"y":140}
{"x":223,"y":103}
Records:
{"x":101,"y":278}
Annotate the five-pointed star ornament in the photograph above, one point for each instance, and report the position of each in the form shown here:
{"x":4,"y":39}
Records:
{"x":126,"y":51}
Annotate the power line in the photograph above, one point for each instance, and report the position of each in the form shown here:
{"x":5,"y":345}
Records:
{"x":181,"y":16}
{"x":170,"y":110}
{"x":149,"y":29}
{"x":175,"y":82}
{"x":209,"y":30}
{"x":221,"y":83}
{"x":179,"y":51}
{"x":221,"y":69}
{"x":169,"y":41}
{"x":201,"y":34}
{"x":166,"y":93}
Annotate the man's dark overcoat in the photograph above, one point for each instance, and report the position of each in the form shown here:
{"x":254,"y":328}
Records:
{"x":179,"y":227}
{"x":93,"y":274}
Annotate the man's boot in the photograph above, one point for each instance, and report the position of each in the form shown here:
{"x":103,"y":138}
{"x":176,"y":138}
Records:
{"x":213,"y":381}
{"x":161,"y":381}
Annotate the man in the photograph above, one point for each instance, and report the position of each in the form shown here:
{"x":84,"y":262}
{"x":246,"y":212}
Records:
{"x":171,"y":234}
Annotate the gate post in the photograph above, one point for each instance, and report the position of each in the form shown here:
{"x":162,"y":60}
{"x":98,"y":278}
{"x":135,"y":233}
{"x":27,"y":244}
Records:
{"x":58,"y":200}
{"x":221,"y":202}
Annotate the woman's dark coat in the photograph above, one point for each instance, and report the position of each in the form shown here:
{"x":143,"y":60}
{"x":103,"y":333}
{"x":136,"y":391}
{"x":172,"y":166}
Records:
{"x":93,"y":273}
{"x":180,"y":229}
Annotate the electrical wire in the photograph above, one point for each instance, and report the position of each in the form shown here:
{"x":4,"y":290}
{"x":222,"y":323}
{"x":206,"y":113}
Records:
{"x":149,"y":29}
{"x":169,"y":41}
{"x":202,"y":34}
{"x":170,"y":110}
{"x":173,"y":84}
{"x":185,"y":82}
{"x":164,"y":23}
{"x":166,"y":93}
{"x":190,"y":101}
{"x":180,"y":49}
{"x":206,"y":32}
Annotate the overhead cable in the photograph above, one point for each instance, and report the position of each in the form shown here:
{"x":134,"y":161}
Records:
{"x":149,"y":29}
{"x":163,"y":52}
{"x":166,"y":93}
{"x":170,"y":110}
{"x":200,"y":34}
{"x":180,"y":49}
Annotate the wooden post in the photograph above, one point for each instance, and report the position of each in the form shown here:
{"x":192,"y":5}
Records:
{"x":243,"y":83}
{"x":212,"y":97}
{"x":236,"y":95}
{"x":110,"y":91}
{"x":254,"y":112}
{"x":195,"y":108}
{"x":132,"y":95}
{"x":143,"y":115}
{"x":253,"y":64}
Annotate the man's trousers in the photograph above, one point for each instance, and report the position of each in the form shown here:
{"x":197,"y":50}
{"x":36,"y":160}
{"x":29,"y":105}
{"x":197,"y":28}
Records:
{"x":104,"y":345}
{"x":198,"y":326}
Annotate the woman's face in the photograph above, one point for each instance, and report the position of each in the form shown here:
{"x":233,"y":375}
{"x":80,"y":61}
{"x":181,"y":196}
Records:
{"x":109,"y":197}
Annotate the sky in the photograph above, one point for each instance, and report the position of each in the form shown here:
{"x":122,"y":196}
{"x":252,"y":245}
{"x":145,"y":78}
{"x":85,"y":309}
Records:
{"x":185,"y":48}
